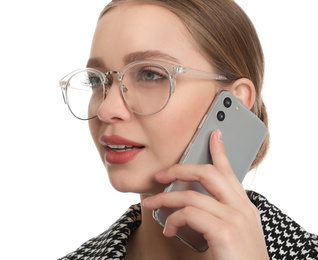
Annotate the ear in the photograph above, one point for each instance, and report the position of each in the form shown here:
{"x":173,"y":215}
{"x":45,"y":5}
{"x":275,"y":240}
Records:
{"x":244,"y":90}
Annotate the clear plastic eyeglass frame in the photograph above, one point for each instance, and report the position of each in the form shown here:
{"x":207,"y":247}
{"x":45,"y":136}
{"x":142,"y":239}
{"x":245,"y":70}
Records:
{"x":171,"y":69}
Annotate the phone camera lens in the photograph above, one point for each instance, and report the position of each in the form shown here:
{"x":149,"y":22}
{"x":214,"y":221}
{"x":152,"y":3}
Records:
{"x":227,"y":102}
{"x":220,"y":116}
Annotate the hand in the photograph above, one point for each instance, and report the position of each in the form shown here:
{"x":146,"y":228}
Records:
{"x":230,"y":223}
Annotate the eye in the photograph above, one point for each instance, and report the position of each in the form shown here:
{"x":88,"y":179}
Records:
{"x":94,"y":81}
{"x":151,"y":74}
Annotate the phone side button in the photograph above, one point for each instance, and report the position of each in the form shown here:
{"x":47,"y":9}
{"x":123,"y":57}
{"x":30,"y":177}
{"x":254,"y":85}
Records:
{"x":202,"y":121}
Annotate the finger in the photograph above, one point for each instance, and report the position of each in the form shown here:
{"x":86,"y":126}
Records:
{"x":226,"y":240}
{"x":199,"y":220}
{"x":221,"y":162}
{"x":207,"y":175}
{"x":182,"y":199}
{"x":217,"y":150}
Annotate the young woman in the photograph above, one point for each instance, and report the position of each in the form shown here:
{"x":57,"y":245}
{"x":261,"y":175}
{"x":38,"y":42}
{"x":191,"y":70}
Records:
{"x":141,"y":135}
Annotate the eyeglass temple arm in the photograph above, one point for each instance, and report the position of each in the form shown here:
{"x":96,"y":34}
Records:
{"x":198,"y":73}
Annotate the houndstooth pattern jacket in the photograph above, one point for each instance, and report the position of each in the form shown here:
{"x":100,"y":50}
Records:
{"x":285,"y":239}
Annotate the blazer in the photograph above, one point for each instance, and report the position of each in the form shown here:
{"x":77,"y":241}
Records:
{"x":285,"y":239}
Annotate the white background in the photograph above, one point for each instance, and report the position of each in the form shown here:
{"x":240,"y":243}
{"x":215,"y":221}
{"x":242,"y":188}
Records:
{"x":54,"y":191}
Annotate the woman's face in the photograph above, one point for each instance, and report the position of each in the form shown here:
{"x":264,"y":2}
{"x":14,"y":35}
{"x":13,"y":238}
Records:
{"x":155,"y":33}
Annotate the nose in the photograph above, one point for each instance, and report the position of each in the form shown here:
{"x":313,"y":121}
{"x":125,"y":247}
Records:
{"x":113,"y":108}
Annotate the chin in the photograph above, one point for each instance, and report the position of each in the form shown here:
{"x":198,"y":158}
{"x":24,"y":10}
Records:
{"x":136,"y":185}
{"x":139,"y":179}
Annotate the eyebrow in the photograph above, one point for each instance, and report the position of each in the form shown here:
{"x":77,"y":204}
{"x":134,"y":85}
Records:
{"x":143,"y":55}
{"x":95,"y":63}
{"x":135,"y":56}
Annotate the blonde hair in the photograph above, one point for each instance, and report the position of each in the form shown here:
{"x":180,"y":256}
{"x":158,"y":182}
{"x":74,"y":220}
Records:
{"x":228,"y":40}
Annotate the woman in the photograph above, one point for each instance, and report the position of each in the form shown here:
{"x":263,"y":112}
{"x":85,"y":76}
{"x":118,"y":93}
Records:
{"x":141,"y":136}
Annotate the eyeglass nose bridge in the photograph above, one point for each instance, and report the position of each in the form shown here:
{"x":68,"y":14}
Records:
{"x":111,"y":72}
{"x":119,"y":77}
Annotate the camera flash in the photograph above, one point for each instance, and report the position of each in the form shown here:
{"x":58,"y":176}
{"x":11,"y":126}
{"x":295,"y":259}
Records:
{"x":237,"y":108}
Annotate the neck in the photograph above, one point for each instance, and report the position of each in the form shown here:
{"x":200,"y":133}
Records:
{"x":148,"y":242}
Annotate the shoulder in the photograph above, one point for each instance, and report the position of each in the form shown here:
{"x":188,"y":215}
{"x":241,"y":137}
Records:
{"x":285,"y":239}
{"x":110,"y":244}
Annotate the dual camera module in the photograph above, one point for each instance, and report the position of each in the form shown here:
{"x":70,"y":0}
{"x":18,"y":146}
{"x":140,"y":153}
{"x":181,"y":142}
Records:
{"x":227,"y":102}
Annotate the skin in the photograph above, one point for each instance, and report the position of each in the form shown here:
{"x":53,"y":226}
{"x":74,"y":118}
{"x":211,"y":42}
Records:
{"x":230,"y":223}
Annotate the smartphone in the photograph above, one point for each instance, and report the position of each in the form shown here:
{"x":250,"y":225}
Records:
{"x":243,"y":134}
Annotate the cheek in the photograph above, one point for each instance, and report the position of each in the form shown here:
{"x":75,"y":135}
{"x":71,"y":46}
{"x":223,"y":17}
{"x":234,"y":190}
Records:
{"x":94,"y":127}
{"x":177,"y":124}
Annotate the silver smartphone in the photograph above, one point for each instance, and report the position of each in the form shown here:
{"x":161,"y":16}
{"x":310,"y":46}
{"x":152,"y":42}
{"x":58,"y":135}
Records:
{"x":243,"y":134}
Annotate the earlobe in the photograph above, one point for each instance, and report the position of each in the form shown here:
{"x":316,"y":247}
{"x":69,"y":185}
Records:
{"x":244,"y":90}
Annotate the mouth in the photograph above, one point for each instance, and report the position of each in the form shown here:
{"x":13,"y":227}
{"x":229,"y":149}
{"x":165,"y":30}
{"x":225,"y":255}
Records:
{"x":120,"y":150}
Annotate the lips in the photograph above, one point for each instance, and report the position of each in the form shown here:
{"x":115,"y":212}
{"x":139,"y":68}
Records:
{"x":120,"y":150}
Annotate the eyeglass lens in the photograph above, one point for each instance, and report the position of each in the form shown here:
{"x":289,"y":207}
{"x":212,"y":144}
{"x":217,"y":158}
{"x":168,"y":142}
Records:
{"x":84,"y":94}
{"x":145,"y":88}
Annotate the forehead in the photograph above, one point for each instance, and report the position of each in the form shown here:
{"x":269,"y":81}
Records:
{"x":134,"y":27}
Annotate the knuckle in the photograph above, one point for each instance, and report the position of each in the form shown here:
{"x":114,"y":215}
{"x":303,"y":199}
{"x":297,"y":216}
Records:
{"x":252,"y":212}
{"x":249,"y":210}
{"x":170,"y":170}
{"x":175,"y":167}
{"x":188,"y":211}
{"x":229,"y":233}
{"x":254,"y":215}
{"x":207,"y":167}
{"x":177,"y":170}
{"x":190,"y":194}
{"x":238,"y":218}
{"x":244,"y":217}
{"x":191,"y":197}
{"x":205,"y":171}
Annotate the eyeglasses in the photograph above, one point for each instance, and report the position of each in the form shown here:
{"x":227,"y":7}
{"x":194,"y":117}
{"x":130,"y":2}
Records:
{"x":146,"y":87}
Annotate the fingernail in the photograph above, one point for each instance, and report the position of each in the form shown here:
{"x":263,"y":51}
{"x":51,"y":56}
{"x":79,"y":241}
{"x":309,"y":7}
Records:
{"x":164,"y":230}
{"x":220,"y":136}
